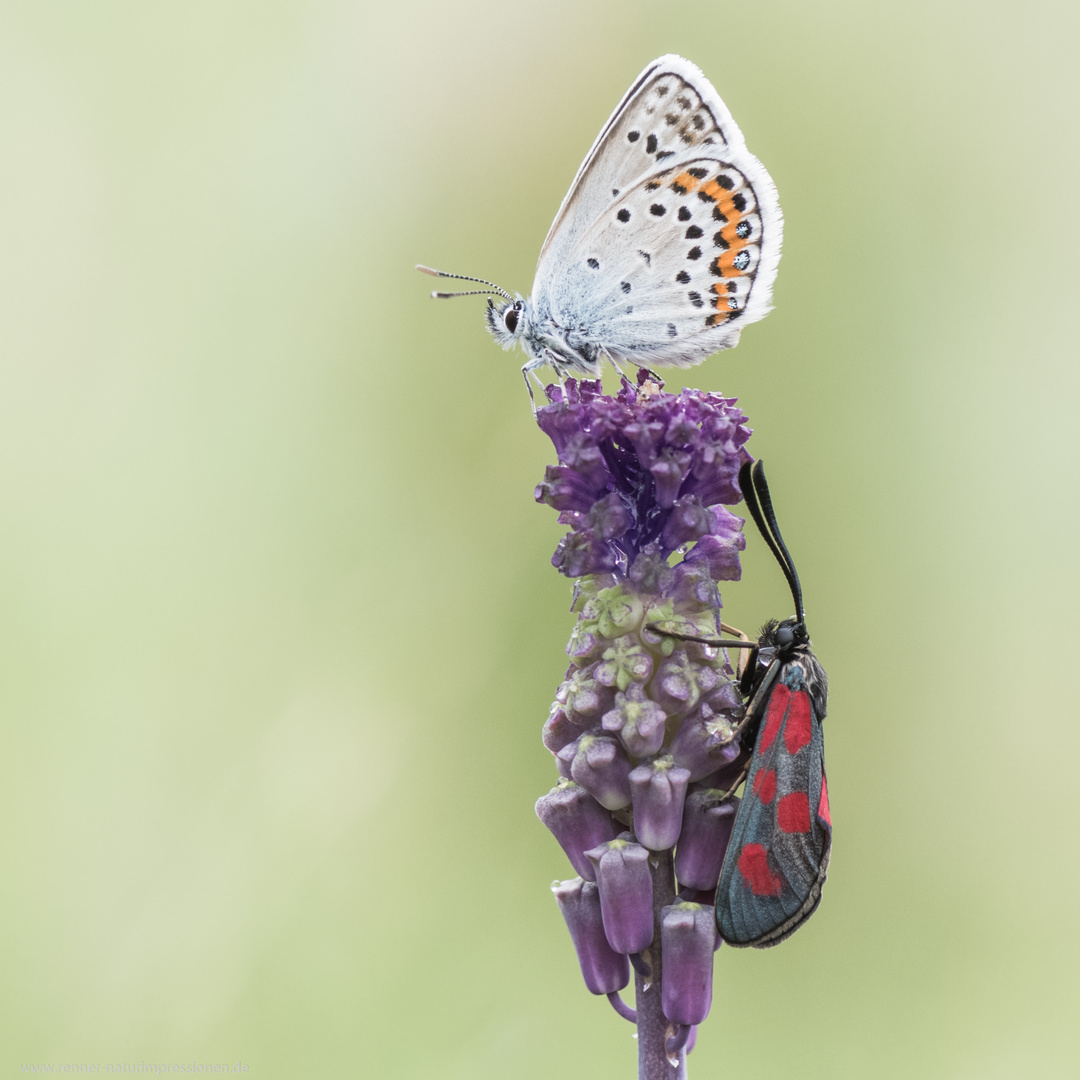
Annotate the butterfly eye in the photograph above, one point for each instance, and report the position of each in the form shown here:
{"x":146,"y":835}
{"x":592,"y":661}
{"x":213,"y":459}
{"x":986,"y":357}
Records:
{"x":785,"y":636}
{"x":510,"y":318}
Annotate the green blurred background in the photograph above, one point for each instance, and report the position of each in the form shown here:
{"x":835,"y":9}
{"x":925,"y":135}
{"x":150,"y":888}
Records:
{"x":279,"y":627}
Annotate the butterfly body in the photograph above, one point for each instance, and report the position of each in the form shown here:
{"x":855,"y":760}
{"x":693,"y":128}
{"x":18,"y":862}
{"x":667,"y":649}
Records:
{"x":665,"y":246}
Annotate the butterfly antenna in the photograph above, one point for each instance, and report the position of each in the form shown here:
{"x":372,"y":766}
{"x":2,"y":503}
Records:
{"x":755,"y":490}
{"x":462,"y":277}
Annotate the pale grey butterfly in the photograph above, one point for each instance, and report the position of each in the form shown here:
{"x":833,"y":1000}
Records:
{"x":665,"y":247}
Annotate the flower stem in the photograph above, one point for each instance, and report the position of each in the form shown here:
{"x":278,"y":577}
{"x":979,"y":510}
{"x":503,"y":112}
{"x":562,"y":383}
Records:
{"x":652,"y":1025}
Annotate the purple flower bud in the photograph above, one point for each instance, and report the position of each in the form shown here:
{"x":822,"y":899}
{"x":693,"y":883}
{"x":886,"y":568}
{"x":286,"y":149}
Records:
{"x":687,"y":937}
{"x":706,"y":829}
{"x":577,"y":821}
{"x":649,"y":572}
{"x":582,"y":553}
{"x":600,"y":765}
{"x":680,"y":683}
{"x":558,"y":730}
{"x":565,"y":489}
{"x":583,"y":697}
{"x":694,"y":586}
{"x":605,"y":970}
{"x":669,"y":470}
{"x":638,"y":721}
{"x":658,"y":790}
{"x":688,"y":521}
{"x":615,"y":611}
{"x":608,"y":518}
{"x":704,"y":740}
{"x":625,"y":662}
{"x":626,"y":893}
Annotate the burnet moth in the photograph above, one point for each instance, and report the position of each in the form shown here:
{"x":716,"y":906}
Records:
{"x":776,"y":859}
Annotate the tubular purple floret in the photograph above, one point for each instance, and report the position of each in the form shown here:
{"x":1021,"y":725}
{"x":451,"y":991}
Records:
{"x":703,"y":744}
{"x":601,"y":766}
{"x":626,"y":893}
{"x":638,"y":721}
{"x":577,"y":821}
{"x":559,"y":730}
{"x":687,"y":939}
{"x":703,"y":837}
{"x":658,"y":791}
{"x":605,"y":971}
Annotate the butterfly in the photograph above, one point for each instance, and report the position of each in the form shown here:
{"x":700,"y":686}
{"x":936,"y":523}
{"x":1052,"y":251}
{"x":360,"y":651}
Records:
{"x":665,"y":247}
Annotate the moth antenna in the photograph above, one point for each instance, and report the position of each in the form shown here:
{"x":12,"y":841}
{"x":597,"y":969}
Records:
{"x":463,"y":277}
{"x":765,"y":518}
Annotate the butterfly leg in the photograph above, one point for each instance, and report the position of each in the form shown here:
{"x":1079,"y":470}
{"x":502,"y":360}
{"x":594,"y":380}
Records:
{"x":528,"y":385}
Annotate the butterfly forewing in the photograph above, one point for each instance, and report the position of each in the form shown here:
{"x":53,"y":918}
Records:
{"x":669,"y":110}
{"x":779,"y":848}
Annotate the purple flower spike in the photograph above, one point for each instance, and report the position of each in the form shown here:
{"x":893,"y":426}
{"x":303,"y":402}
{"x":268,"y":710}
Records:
{"x":626,"y":893}
{"x":638,"y":721}
{"x":687,"y":937}
{"x":577,"y":821}
{"x":706,"y":829}
{"x":658,"y":789}
{"x":605,"y":970}
{"x":600,"y":765}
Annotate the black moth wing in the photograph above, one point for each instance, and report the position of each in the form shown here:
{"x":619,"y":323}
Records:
{"x":778,"y":854}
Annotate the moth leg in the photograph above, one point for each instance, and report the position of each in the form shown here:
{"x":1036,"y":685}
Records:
{"x":744,"y":654}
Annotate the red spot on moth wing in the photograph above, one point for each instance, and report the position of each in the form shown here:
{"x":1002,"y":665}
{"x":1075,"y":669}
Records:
{"x":774,"y":717}
{"x":754,"y":867}
{"x":765,"y":785}
{"x":793,"y":813}
{"x":797,"y":731}
{"x":823,"y":805}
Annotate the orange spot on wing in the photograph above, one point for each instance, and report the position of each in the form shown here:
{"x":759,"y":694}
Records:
{"x":687,"y":181}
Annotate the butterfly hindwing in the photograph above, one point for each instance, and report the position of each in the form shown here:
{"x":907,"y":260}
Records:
{"x":671,"y":270}
{"x":779,"y":849}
